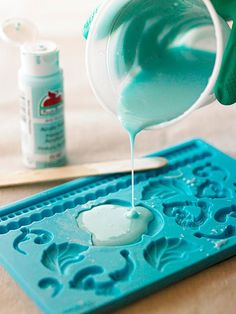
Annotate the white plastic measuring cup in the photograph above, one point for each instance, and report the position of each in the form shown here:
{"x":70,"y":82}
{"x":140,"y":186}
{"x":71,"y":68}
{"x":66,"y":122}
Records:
{"x":113,"y":61}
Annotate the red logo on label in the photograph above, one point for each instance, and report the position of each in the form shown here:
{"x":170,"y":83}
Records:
{"x":52,"y":103}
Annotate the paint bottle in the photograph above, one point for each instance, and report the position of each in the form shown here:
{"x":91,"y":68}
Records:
{"x":41,"y":105}
{"x":40,"y":81}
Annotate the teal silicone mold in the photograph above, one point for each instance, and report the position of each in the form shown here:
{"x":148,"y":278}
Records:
{"x":193,"y":201}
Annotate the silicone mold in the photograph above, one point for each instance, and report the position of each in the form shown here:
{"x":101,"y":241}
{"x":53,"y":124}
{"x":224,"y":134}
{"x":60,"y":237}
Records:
{"x":193,"y":201}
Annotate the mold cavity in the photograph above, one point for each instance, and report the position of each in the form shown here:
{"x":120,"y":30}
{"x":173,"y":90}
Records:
{"x":59,"y":257}
{"x":3,"y":229}
{"x":36,"y":235}
{"x":13,"y":225}
{"x":97,"y":278}
{"x":51,"y":283}
{"x":213,"y":189}
{"x":165,"y":251}
{"x":187,"y":214}
{"x":115,"y":224}
{"x":165,"y":189}
{"x":209,"y":170}
{"x":228,"y":232}
{"x":225,"y":213}
{"x":79,"y":280}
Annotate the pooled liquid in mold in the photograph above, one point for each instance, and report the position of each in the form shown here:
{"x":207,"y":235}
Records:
{"x":115,"y":225}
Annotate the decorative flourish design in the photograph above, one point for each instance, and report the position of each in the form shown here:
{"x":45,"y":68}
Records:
{"x":228,"y":232}
{"x":164,"y":251}
{"x":213,"y":189}
{"x":166,"y":188}
{"x":38,"y":236}
{"x":123,"y":273}
{"x":52,"y":283}
{"x":59,"y":257}
{"x":187,"y":214}
{"x":223,"y":214}
{"x":94,"y":277}
{"x":209,"y":170}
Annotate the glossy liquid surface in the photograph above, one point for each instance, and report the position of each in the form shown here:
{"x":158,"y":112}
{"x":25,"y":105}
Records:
{"x":112,"y":225}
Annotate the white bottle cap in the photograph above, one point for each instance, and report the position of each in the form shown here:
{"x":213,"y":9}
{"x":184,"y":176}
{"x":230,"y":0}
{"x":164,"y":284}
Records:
{"x":18,"y":31}
{"x":40,"y":58}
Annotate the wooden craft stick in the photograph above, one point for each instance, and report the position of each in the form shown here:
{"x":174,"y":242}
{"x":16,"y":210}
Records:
{"x":78,"y":171}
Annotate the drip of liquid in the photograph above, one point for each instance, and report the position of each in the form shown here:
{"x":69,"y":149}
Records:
{"x":132,"y":212}
{"x":112,"y":225}
{"x":132,"y":142}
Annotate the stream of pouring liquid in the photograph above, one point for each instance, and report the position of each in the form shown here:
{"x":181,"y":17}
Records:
{"x":162,"y":92}
{"x":132,"y":142}
{"x":132,"y":212}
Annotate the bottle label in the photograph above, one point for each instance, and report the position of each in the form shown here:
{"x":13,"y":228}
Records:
{"x":42,"y":124}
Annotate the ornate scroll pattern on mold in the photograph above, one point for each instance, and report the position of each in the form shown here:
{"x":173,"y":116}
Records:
{"x":223,"y":214}
{"x":166,"y":188}
{"x":224,"y":233}
{"x":95,"y":277}
{"x":188,"y":214}
{"x":59,"y":257}
{"x":36,"y":235}
{"x":212,"y":190}
{"x":210,"y":170}
{"x":159,"y":254}
{"x":51,"y":283}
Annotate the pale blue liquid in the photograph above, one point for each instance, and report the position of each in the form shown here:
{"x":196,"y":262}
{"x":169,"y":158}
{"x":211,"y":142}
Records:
{"x":111,"y":224}
{"x":166,"y":89}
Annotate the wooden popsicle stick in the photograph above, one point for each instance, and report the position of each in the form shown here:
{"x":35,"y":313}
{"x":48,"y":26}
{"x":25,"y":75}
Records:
{"x":78,"y":171}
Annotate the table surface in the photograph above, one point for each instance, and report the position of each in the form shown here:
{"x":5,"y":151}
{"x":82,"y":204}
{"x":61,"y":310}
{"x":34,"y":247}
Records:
{"x":94,"y":135}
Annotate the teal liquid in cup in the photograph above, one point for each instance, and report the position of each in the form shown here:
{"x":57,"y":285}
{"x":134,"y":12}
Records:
{"x":165,"y":89}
